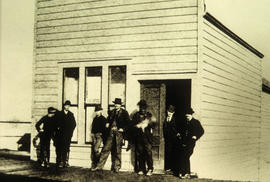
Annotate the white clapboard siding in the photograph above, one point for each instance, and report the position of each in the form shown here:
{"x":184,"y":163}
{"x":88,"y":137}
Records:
{"x":158,"y":36}
{"x":12,"y":132}
{"x":97,"y":40}
{"x":230,"y":108}
{"x":265,"y":138}
{"x":114,"y":6}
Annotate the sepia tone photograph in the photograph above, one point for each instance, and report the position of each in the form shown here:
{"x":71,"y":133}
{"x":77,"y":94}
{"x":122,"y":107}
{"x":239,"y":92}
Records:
{"x":135,"y":91}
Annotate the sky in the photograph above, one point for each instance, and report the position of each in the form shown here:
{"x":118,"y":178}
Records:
{"x":250,"y":20}
{"x":246,"y":18}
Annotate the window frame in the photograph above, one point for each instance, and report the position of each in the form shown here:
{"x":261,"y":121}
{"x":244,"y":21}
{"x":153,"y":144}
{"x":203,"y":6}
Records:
{"x":89,"y":104}
{"x":63,"y":96}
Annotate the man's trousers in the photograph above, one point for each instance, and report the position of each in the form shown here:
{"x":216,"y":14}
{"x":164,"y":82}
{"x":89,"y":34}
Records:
{"x":113,"y":146}
{"x":95,"y":153}
{"x":143,"y":151}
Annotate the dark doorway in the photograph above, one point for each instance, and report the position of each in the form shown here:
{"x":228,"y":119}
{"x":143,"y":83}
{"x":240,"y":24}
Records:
{"x":178,"y":93}
{"x":159,"y":94}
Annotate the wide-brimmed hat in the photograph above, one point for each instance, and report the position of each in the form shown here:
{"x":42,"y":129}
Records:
{"x":51,"y":110}
{"x":171,"y":108}
{"x":98,"y":108}
{"x":67,"y":102}
{"x":189,"y":111}
{"x":117,"y":101}
{"x":142,"y":103}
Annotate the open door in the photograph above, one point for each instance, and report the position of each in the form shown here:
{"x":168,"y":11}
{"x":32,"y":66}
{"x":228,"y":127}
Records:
{"x":155,"y":94}
{"x":159,"y":94}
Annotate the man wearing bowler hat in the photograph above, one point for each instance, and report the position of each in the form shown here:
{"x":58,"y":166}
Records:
{"x":191,"y":131}
{"x":117,"y":123}
{"x":170,"y":137}
{"x":64,"y":131}
{"x":97,"y":135}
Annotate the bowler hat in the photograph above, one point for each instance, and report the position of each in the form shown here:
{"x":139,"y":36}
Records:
{"x":67,"y":102}
{"x":51,"y":110}
{"x":142,"y":104}
{"x":189,"y":111}
{"x":117,"y":101}
{"x":171,"y":108}
{"x":98,"y":108}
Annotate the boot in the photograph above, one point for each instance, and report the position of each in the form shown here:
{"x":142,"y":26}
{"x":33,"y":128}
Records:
{"x":66,"y":164}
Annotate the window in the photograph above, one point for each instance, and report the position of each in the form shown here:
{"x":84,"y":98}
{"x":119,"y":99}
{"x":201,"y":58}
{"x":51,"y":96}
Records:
{"x":93,"y":86}
{"x":117,"y":84}
{"x":71,"y":92}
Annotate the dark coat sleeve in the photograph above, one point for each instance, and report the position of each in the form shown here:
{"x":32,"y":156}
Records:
{"x":38,"y":124}
{"x":125,"y":120}
{"x":198,"y":130}
{"x":73,"y":123}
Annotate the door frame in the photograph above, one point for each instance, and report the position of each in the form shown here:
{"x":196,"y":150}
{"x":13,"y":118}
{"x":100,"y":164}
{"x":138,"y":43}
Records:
{"x":194,"y":102}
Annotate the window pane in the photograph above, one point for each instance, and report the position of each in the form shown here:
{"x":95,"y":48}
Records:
{"x":117,"y":83}
{"x":93,"y":85}
{"x":90,"y":114}
{"x":74,"y":110}
{"x":71,"y":85}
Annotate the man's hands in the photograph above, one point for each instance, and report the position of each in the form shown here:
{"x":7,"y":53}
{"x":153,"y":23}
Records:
{"x":120,"y":130}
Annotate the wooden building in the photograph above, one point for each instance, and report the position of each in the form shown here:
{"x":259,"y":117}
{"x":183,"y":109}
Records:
{"x":165,"y":51}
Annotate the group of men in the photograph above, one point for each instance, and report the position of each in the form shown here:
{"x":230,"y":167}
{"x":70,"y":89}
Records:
{"x":118,"y":127}
{"x":180,"y":137}
{"x":57,"y":126}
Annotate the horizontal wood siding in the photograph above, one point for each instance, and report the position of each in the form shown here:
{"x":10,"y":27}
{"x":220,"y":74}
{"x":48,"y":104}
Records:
{"x":158,"y":36}
{"x":12,"y":132}
{"x":231,"y":108}
{"x":265,"y":138}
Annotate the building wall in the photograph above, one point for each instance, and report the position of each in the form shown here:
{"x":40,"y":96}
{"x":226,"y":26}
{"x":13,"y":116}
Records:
{"x":145,"y":31}
{"x":265,"y":138}
{"x":230,"y":108}
{"x":11,"y":133}
{"x":16,"y":56}
{"x":138,"y":33}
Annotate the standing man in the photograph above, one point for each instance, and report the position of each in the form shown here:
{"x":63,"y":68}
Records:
{"x":118,"y":121}
{"x":191,"y":131}
{"x":170,"y":137}
{"x":98,"y":135}
{"x":142,"y":134}
{"x":45,"y":135}
{"x":64,"y":131}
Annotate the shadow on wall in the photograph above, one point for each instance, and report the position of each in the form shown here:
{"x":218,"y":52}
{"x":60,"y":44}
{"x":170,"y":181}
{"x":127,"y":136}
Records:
{"x":24,"y":142}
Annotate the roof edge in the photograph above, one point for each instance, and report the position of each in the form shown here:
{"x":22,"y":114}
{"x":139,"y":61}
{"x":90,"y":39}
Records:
{"x":228,"y":32}
{"x":265,"y":85}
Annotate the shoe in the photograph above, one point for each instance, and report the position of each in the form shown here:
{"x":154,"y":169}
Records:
{"x":187,"y":176}
{"x":149,"y":173}
{"x":116,"y":170}
{"x":180,"y":176}
{"x":140,"y":173}
{"x":95,"y":169}
{"x":168,"y":171}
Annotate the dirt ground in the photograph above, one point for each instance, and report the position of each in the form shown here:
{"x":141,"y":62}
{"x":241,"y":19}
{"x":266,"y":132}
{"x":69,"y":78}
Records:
{"x":18,"y":170}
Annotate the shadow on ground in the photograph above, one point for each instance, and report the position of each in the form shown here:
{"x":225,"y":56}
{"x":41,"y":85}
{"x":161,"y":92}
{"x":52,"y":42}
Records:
{"x":18,"y":178}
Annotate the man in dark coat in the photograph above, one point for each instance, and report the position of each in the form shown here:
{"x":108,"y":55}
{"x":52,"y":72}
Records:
{"x":64,"y":131}
{"x":191,"y":131}
{"x":170,"y":137}
{"x":143,"y":123}
{"x":97,"y":134}
{"x":45,"y":135}
{"x":118,"y":121}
